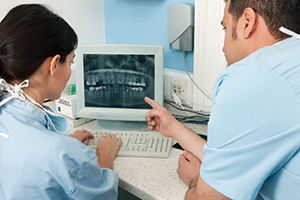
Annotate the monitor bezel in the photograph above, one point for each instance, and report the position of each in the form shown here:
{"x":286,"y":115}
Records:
{"x":121,"y":114}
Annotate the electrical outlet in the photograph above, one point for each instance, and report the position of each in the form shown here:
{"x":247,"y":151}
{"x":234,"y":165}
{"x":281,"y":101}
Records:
{"x":181,"y":82}
{"x":179,"y":86}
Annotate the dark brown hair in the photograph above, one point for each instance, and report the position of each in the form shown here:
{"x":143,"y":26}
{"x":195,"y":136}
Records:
{"x":29,"y":34}
{"x":276,"y":13}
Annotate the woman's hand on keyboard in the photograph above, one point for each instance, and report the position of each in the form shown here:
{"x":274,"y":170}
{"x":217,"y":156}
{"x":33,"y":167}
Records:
{"x":107,"y":150}
{"x":82,"y":135}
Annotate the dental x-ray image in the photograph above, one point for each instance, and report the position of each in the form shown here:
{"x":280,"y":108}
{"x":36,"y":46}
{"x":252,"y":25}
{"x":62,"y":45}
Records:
{"x":120,"y":81}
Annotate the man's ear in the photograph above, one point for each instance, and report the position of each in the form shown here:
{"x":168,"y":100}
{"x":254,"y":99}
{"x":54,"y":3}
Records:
{"x":249,"y":22}
{"x":54,"y":64}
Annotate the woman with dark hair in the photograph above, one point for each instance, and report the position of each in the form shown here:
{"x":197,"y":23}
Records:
{"x":38,"y":161}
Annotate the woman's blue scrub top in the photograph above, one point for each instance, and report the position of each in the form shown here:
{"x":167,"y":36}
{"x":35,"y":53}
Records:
{"x":36,"y":163}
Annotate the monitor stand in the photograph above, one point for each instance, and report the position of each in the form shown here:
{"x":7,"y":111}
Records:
{"x":121,"y":125}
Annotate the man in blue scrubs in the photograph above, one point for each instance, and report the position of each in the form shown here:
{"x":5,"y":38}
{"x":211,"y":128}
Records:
{"x":253,"y":143}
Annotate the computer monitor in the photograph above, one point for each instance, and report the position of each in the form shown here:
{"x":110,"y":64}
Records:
{"x":112,"y":81}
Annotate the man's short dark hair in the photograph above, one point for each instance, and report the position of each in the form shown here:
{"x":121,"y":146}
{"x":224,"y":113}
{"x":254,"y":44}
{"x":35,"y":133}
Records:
{"x":276,"y":13}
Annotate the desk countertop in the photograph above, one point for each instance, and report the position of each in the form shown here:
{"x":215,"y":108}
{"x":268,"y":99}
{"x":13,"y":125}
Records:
{"x":150,"y":178}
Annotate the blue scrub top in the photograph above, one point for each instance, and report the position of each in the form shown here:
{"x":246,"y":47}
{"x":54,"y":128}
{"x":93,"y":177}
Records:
{"x":37,"y":163}
{"x":254,"y":128}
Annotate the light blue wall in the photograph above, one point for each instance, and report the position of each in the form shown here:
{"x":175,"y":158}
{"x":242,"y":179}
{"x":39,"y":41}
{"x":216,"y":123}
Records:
{"x":144,"y":22}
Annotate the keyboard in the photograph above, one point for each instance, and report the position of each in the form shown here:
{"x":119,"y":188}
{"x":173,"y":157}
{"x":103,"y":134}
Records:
{"x":137,"y":144}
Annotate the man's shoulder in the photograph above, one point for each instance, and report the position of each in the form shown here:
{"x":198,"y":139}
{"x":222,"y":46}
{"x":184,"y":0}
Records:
{"x":267,"y":64}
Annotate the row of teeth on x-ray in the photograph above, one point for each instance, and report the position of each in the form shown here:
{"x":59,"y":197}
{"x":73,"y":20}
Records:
{"x":122,"y":88}
{"x":118,"y":92}
{"x":129,"y":80}
{"x":129,"y":84}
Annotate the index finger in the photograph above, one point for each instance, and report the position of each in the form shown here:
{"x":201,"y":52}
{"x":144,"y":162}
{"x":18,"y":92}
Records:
{"x":189,"y":156}
{"x":182,"y":159}
{"x":152,"y":103}
{"x":88,"y":133}
{"x":85,"y":134}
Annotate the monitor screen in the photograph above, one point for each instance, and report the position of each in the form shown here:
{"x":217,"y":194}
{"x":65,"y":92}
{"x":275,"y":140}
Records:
{"x":118,"y":81}
{"x":113,"y":79}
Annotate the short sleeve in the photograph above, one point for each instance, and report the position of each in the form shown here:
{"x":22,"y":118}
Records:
{"x":249,"y":136}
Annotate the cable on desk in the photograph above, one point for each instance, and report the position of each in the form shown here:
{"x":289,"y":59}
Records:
{"x":195,"y":122}
{"x":143,"y":129}
{"x":193,"y":102}
{"x":188,"y":110}
{"x":199,"y":117}
{"x":47,"y":100}
{"x":193,"y":119}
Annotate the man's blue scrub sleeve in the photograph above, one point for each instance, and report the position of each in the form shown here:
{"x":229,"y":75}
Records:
{"x":254,"y":127}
